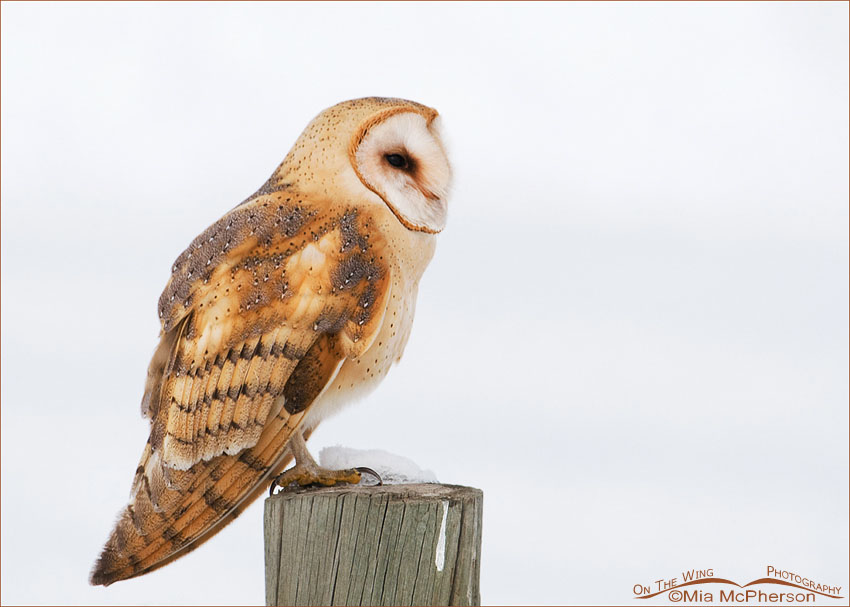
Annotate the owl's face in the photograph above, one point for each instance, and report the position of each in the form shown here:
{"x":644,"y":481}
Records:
{"x":398,"y":154}
{"x":378,"y":150}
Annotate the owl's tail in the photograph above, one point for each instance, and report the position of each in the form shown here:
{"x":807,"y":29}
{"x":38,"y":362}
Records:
{"x":172,"y":512}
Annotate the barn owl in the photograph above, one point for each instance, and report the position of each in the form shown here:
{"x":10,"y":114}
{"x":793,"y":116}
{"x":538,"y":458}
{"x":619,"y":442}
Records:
{"x":292,"y":304}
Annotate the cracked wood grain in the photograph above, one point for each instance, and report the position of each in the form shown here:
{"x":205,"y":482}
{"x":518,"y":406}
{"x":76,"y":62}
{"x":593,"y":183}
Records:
{"x":390,"y":545}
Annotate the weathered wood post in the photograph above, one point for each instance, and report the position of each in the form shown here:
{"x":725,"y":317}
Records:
{"x":390,"y":545}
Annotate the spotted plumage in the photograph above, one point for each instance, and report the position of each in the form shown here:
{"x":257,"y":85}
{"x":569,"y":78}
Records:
{"x":293,"y":303}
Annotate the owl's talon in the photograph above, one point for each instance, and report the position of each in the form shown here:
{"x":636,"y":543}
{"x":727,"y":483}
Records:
{"x":306,"y":476}
{"x":275,"y":484}
{"x":365,"y":470}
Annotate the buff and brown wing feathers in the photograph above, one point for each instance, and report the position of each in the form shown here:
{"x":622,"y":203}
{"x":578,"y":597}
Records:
{"x":265,"y":303}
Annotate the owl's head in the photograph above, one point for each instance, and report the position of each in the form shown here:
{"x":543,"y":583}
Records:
{"x":390,"y":148}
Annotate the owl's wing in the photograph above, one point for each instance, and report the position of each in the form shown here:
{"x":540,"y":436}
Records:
{"x":267,"y":303}
{"x":250,"y":310}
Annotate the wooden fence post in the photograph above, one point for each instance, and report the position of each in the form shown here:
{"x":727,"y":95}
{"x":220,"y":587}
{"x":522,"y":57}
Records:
{"x":389,"y":545}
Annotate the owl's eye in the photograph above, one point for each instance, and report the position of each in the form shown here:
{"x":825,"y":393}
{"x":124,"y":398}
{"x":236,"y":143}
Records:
{"x":397,"y":160}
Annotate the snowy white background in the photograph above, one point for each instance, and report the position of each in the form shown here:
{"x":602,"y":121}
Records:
{"x":633,"y":336}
